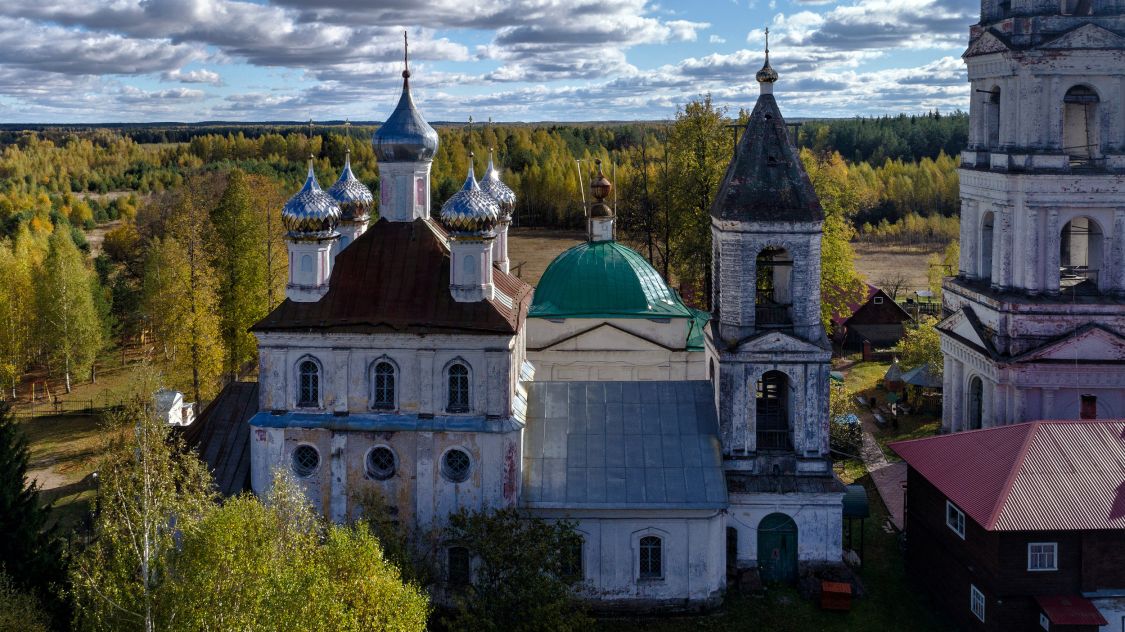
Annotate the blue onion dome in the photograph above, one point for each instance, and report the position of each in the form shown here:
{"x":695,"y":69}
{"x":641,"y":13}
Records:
{"x":470,"y":210}
{"x":492,"y":185}
{"x":354,"y":198}
{"x":405,"y":136}
{"x":311,"y":213}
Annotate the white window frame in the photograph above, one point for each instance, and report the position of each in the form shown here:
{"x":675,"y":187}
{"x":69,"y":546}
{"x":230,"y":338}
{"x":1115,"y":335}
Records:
{"x":394,"y":384}
{"x":958,"y":524}
{"x":1053,"y":551}
{"x":878,"y":300}
{"x":976,"y":598}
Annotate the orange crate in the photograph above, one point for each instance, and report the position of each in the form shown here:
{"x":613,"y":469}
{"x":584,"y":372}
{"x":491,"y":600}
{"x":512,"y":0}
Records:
{"x":835,"y":596}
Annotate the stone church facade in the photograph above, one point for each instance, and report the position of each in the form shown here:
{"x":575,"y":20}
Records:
{"x":686,"y":446}
{"x":1035,"y":325}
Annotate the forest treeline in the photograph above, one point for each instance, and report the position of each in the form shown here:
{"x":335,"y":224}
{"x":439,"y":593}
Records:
{"x":198,"y":254}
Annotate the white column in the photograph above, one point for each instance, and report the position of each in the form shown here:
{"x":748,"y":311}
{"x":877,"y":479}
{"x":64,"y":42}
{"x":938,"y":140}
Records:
{"x":1051,"y":242}
{"x":426,"y":398}
{"x":957,"y":415}
{"x":970,"y":238}
{"x":1117,"y":258}
{"x":1048,"y":411}
{"x":947,"y":395}
{"x":1032,"y":260}
{"x":338,"y":469}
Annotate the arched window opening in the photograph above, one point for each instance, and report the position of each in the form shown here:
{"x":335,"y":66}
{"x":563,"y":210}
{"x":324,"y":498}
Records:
{"x":383,"y":386}
{"x":1076,"y":7}
{"x":458,"y":388}
{"x":773,"y":412}
{"x":1080,"y":256}
{"x":308,"y":384}
{"x":774,"y":299}
{"x":992,"y":118}
{"x":976,"y":403}
{"x":732,"y":549}
{"x":1080,"y":126}
{"x":458,"y":566}
{"x":986,"y":226}
{"x":652,"y":557}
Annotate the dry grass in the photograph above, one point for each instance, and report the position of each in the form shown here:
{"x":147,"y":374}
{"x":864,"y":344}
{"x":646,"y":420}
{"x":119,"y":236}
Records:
{"x":531,"y":250}
{"x":879,"y":262}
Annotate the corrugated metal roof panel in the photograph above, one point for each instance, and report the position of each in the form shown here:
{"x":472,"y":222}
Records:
{"x":221,"y":436}
{"x":1042,"y":475}
{"x":670,"y":459}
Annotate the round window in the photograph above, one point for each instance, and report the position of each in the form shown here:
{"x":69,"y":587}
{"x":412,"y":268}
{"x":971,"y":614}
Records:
{"x":455,"y":466}
{"x":305,"y":460}
{"x":381,"y":463}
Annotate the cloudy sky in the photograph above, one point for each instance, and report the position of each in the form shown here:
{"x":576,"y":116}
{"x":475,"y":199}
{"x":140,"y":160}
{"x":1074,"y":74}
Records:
{"x":513,"y":60}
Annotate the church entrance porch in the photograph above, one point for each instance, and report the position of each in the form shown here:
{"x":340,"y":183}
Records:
{"x":777,"y":549}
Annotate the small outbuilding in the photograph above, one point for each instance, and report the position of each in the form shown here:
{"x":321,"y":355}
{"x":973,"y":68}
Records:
{"x":878,"y":320}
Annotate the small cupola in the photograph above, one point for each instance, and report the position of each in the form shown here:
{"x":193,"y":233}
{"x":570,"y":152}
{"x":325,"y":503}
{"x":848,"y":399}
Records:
{"x":505,"y":199}
{"x":471,"y":216}
{"x":601,"y":214}
{"x":767,"y":76}
{"x":310,"y":219}
{"x":355,"y":201}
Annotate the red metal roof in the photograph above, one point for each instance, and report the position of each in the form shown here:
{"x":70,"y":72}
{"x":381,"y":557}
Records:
{"x":395,"y":277}
{"x":1035,"y":476}
{"x":1070,"y":610}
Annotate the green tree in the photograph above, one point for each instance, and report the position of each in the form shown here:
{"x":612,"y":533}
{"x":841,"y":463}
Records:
{"x":71,"y":330}
{"x":150,"y":489}
{"x":17,"y":313}
{"x":29,"y":550}
{"x":250,"y":561}
{"x":922,"y":345}
{"x":20,"y":611}
{"x":520,"y":580}
{"x":239,"y":258}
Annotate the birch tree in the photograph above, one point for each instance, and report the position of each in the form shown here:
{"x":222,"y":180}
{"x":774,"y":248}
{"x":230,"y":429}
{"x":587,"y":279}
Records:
{"x":71,"y":331}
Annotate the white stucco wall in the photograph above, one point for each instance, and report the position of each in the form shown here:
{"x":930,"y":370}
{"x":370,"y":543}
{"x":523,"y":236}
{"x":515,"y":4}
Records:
{"x":819,"y":519}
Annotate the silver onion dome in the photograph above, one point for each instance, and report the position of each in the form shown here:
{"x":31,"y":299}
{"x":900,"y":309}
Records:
{"x":311,"y":213}
{"x":353,"y":197}
{"x":405,"y":136}
{"x":495,"y":187}
{"x":470,"y":210}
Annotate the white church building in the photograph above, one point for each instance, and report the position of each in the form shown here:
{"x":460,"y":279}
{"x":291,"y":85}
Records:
{"x":685,"y":445}
{"x":1035,"y":316}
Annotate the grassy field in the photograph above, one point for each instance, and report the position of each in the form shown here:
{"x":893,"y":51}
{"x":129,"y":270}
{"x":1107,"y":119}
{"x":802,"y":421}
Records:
{"x":531,"y":250}
{"x":879,"y":262}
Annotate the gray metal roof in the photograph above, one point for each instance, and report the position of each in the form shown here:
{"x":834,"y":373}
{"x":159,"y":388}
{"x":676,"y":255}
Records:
{"x":622,"y":445}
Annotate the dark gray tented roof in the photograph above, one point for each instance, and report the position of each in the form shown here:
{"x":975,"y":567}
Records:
{"x":622,"y":445}
{"x":766,"y":181}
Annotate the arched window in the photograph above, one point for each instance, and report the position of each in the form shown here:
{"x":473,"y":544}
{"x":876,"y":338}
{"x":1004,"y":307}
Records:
{"x":383,"y":386}
{"x":773,"y":299}
{"x":1080,"y":125}
{"x":986,"y":239}
{"x":772,"y":406}
{"x":1080,"y":256}
{"x":458,"y":396}
{"x":308,"y":384}
{"x":1076,"y":7}
{"x":992,"y":118}
{"x":458,"y":566}
{"x":976,"y":403}
{"x":651,"y":557}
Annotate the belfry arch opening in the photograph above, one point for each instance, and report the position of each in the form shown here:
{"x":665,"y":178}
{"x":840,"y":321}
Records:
{"x":774,"y":294}
{"x":1080,"y":126}
{"x":773,"y":409}
{"x":976,"y":403}
{"x":986,"y":234}
{"x":992,"y":118}
{"x":1080,"y":256}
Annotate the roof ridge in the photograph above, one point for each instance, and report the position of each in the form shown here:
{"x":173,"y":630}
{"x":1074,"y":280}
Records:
{"x":1017,"y":466}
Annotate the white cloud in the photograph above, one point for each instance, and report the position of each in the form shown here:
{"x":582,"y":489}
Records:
{"x":193,"y":76}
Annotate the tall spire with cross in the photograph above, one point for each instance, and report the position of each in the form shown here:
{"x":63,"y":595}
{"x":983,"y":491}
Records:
{"x":767,"y":75}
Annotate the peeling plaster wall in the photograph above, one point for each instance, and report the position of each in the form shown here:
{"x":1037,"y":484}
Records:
{"x":819,"y":519}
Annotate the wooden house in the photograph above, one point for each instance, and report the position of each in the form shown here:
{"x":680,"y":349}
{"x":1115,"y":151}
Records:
{"x":878,"y":320}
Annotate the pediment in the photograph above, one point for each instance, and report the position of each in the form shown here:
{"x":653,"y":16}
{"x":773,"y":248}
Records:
{"x":963,"y":325}
{"x":1087,"y":36}
{"x":778,"y":342}
{"x":604,"y":337}
{"x":1091,"y":344}
{"x":985,"y":45}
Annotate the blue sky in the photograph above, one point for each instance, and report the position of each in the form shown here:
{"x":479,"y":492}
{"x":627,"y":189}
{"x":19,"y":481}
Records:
{"x":512,"y":60}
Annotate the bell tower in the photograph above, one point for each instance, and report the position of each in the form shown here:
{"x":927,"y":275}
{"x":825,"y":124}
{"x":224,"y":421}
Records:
{"x":766,"y":226}
{"x":1034,"y":316}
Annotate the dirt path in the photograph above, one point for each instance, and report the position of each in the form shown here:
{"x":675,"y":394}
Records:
{"x":889,"y":477}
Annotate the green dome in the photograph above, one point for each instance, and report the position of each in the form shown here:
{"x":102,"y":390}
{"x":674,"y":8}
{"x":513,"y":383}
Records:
{"x":604,"y":279}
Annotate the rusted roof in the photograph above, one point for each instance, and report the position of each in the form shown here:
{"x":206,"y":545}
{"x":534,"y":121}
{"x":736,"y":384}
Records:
{"x":396,"y":278}
{"x":1070,"y":610}
{"x":1035,"y":476}
{"x":766,"y":180}
{"x":221,"y":436}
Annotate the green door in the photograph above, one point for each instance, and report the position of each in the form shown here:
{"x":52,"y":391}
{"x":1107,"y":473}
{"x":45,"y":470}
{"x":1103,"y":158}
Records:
{"x":777,"y":548}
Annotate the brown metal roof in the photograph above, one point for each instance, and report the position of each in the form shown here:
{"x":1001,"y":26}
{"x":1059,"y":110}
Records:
{"x":221,"y":436}
{"x":396,"y":278}
{"x":1035,"y":476}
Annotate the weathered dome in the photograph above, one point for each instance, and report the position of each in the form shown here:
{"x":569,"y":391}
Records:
{"x":470,"y":210}
{"x":405,"y":136}
{"x":354,"y":198}
{"x":311,"y":213}
{"x":604,"y":279}
{"x":767,"y":74}
{"x":492,"y":185}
